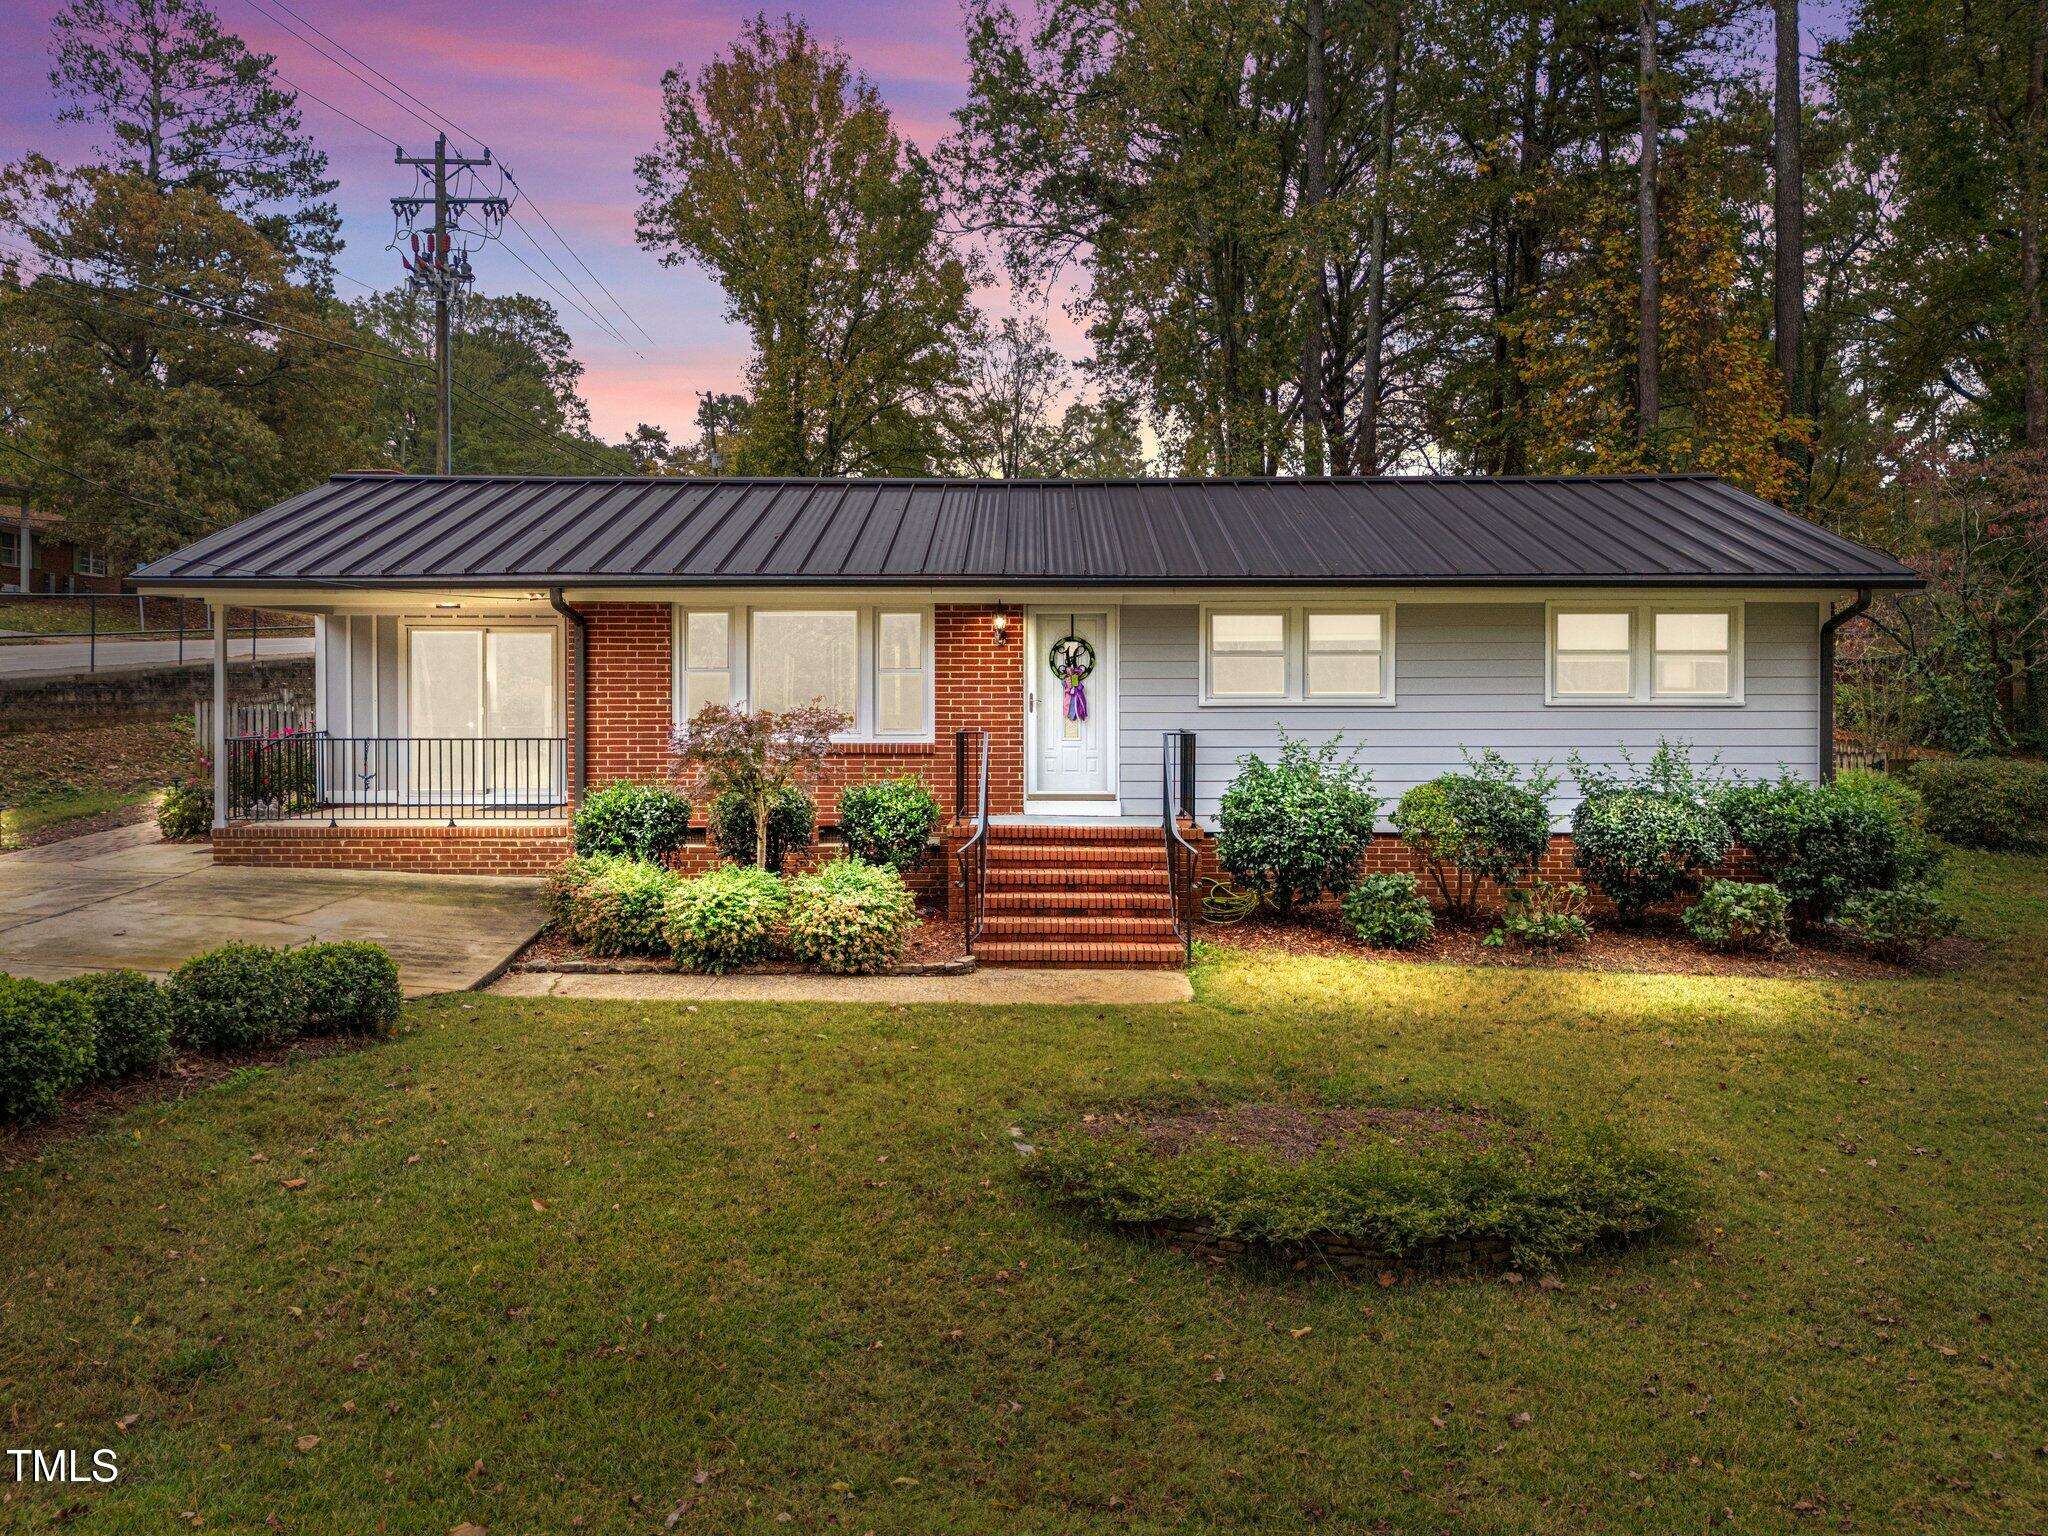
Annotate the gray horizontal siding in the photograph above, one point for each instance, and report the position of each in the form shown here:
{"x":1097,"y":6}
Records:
{"x":1465,"y":675}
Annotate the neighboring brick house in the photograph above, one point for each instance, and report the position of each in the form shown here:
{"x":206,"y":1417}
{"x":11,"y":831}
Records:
{"x":1113,"y":647}
{"x":36,"y":557}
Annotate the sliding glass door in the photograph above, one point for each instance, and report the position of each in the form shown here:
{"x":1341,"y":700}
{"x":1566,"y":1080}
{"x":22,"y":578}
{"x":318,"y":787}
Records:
{"x":485,"y":715}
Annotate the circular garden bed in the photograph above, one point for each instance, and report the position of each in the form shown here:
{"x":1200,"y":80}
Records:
{"x":1382,"y":1190}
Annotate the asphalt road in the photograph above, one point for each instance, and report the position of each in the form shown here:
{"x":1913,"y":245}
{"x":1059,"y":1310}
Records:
{"x":25,"y":660}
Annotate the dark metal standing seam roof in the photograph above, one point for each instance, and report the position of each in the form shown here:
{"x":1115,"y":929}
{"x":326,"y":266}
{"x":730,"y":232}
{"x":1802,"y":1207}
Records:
{"x":371,"y":530}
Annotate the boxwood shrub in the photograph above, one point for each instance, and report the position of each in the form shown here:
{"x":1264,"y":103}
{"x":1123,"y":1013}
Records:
{"x":728,"y":917}
{"x":792,"y":816}
{"x":888,"y":821}
{"x":236,"y":998}
{"x":1985,"y":802}
{"x":1896,"y":925}
{"x":636,"y":821}
{"x":186,"y":810}
{"x":850,"y":917}
{"x":1480,"y":826}
{"x":350,"y":988}
{"x":1551,"y":1197}
{"x":46,"y":1046}
{"x":1389,"y":912}
{"x":1296,"y":828}
{"x":131,"y":1022}
{"x":1822,"y":843}
{"x":621,"y":907}
{"x":1646,"y":835}
{"x":1738,"y":915}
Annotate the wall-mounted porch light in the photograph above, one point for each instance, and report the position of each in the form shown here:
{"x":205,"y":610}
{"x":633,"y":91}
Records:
{"x":1002,"y":627}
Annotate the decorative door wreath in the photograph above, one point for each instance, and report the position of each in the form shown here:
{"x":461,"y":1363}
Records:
{"x":1072,"y":660}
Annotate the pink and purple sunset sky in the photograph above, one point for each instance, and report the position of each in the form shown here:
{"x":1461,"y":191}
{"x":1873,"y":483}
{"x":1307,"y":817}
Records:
{"x":567,"y":95}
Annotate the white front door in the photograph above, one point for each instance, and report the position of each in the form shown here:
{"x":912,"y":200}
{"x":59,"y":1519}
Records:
{"x":1073,"y":732}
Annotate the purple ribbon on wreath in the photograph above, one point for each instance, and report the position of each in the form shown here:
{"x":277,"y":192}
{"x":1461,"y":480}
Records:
{"x":1075,"y":697}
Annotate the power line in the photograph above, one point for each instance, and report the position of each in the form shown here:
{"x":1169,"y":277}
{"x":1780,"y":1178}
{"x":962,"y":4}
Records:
{"x":260,"y":9}
{"x":542,"y":214}
{"x":445,"y":121}
{"x":605,"y":326}
{"x":98,"y":485}
{"x":435,"y":118}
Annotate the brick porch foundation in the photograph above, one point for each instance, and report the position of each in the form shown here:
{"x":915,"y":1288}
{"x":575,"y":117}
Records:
{"x":530,"y":849}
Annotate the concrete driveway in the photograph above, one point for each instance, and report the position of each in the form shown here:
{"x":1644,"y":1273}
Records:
{"x":124,"y":898}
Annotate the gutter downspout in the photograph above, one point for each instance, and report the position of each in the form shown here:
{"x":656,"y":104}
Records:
{"x":581,"y":731}
{"x":1829,"y":625}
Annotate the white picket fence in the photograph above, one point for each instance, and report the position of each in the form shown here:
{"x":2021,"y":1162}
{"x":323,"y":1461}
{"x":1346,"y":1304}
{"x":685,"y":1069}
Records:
{"x":253,"y":717}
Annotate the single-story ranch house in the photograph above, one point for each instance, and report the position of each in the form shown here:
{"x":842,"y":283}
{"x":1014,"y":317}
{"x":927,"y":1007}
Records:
{"x":1075,"y":668}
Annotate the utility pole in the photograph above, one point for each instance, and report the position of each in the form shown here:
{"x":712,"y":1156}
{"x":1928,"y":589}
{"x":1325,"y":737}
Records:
{"x":441,"y":270}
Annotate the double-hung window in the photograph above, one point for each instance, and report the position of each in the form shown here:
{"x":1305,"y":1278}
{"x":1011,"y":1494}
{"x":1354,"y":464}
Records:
{"x":1645,"y":653}
{"x":1303,"y":653}
{"x":872,"y":664}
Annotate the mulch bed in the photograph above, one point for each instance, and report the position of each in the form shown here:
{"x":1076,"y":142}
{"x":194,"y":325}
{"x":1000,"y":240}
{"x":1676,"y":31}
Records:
{"x":1658,"y":945}
{"x":934,"y":943}
{"x":83,"y":1110}
{"x":1293,"y":1132}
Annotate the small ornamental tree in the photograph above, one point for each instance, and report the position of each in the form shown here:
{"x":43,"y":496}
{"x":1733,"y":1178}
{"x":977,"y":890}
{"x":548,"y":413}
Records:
{"x":756,"y":754}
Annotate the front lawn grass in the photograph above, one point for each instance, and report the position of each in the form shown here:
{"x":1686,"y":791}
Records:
{"x":604,"y":1263}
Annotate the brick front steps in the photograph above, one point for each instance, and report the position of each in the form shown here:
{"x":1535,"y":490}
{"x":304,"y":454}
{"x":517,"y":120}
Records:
{"x":1077,"y":896}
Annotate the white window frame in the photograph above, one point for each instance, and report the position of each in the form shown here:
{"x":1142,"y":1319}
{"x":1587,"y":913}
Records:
{"x":485,"y":622}
{"x":90,"y":562}
{"x":740,"y":630}
{"x":1294,"y":645}
{"x":1642,"y":654}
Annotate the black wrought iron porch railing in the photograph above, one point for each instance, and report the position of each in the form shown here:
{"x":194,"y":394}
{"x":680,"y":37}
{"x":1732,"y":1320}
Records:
{"x":395,"y":778}
{"x":973,"y":854}
{"x":1177,"y":800}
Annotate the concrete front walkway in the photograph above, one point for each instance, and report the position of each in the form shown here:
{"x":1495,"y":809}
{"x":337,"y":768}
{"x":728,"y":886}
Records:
{"x":125,"y":898}
{"x":1004,"y":987}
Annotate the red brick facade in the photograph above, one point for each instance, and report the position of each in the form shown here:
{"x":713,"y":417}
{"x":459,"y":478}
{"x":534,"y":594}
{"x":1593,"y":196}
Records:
{"x":427,"y":848}
{"x":975,"y":683}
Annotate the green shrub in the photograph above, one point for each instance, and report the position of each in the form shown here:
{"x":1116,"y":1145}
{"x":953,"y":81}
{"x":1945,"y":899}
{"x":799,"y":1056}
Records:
{"x":1645,"y":836}
{"x":1294,"y":829}
{"x":792,"y":815}
{"x":636,"y":821}
{"x":730,"y":916}
{"x":1986,"y":802}
{"x":46,"y":1046}
{"x":1389,"y":912}
{"x":850,"y":917}
{"x":186,"y":810}
{"x":131,"y":1022}
{"x":1737,"y":915}
{"x":1478,"y":826}
{"x":1822,"y":843}
{"x":564,"y":889}
{"x":237,"y":997}
{"x":1544,"y":916}
{"x":889,"y":821}
{"x":1549,"y":1197}
{"x":350,"y":988}
{"x":621,"y":908}
{"x":1896,"y":925}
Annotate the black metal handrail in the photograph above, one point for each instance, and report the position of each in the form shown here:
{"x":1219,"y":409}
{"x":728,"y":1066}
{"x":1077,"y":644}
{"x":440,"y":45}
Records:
{"x":1177,"y":799}
{"x":973,"y":855}
{"x":395,"y":778}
